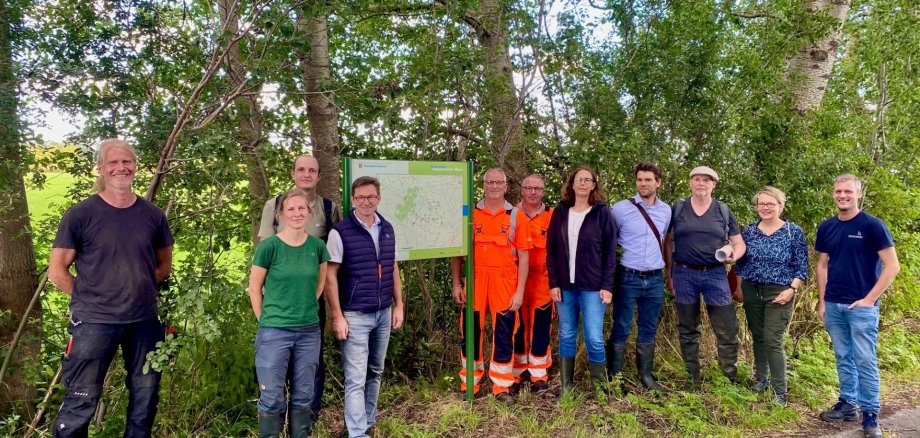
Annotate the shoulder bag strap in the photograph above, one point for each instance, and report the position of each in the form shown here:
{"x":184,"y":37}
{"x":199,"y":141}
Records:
{"x":651,"y":224}
{"x":275,"y":213}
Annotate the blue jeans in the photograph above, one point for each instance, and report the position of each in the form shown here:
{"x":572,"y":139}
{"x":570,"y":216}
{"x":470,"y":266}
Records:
{"x":363,"y":353}
{"x":276,"y":349}
{"x":854,"y":333}
{"x":648,"y":292}
{"x":86,"y":363}
{"x":592,"y":310}
{"x":712,"y":284}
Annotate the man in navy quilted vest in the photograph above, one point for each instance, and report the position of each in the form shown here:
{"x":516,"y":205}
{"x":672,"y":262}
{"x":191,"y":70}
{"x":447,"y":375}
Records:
{"x":364,"y":293}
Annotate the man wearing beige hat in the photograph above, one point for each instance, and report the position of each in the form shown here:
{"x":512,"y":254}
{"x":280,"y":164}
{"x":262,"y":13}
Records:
{"x":700,"y":227}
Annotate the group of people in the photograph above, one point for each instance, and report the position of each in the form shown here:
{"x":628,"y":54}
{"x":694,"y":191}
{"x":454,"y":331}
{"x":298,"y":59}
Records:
{"x":530,"y":261}
{"x":310,"y":257}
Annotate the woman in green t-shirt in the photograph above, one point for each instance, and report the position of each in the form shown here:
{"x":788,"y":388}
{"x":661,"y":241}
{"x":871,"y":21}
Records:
{"x":287,"y":278}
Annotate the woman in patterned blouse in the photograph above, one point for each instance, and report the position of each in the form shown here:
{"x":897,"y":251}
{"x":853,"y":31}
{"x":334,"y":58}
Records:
{"x":773,"y":269}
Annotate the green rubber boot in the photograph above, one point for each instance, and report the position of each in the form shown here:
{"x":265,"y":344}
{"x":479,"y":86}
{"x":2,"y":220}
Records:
{"x":645,"y":357}
{"x":568,"y":374}
{"x":615,"y":355}
{"x":300,"y":423}
{"x":598,"y":372}
{"x":269,"y":425}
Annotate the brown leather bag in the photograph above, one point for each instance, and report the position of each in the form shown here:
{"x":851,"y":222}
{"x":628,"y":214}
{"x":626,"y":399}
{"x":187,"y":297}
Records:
{"x":734,"y":285}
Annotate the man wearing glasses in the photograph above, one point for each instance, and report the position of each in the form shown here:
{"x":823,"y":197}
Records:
{"x":306,"y":174}
{"x":500,"y":263}
{"x":531,"y":341}
{"x":365,"y":299}
{"x":700,"y":226}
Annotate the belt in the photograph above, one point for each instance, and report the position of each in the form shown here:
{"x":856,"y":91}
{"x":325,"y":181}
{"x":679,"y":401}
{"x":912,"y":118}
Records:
{"x":638,"y":272}
{"x":698,"y":267}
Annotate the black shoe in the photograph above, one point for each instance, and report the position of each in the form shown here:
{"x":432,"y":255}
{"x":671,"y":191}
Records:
{"x":539,"y":387}
{"x":870,"y":425}
{"x":515,"y":388}
{"x":841,"y":411}
{"x":760,"y":386}
{"x":780,"y":400}
{"x":505,"y":398}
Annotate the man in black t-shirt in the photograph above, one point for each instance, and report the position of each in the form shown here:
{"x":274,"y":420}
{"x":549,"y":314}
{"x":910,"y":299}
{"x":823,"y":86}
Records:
{"x":121,"y":247}
{"x":700,"y":226}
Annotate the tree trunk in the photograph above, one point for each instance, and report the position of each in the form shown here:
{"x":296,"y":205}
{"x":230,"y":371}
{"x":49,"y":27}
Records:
{"x":321,"y":110}
{"x":501,"y":103}
{"x":810,"y":69}
{"x":250,"y":116}
{"x":18,"y":278}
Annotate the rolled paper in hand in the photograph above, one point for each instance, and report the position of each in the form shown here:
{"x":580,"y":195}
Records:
{"x":723,"y":253}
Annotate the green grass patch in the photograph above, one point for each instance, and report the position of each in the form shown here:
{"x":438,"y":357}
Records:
{"x":51,"y":197}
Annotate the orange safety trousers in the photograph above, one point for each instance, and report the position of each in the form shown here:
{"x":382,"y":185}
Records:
{"x":493,"y":289}
{"x":531,"y":341}
{"x":532,"y":352}
{"x":495,"y":277}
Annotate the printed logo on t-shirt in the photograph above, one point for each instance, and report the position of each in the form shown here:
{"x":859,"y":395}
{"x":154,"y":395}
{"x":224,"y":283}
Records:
{"x":858,"y":235}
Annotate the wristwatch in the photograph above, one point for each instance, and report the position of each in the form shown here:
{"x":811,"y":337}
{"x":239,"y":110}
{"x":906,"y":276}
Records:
{"x":794,"y":289}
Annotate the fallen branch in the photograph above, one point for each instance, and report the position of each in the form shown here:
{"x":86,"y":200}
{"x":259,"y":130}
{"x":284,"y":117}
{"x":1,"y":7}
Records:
{"x":44,"y":404}
{"x":22,"y":326}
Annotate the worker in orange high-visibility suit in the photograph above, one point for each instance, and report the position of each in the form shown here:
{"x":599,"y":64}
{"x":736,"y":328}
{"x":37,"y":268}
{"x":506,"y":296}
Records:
{"x":500,"y":264}
{"x":531,"y":342}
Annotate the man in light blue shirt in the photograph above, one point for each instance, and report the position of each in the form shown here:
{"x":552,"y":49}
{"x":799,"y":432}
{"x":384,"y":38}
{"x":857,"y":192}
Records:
{"x":640,"y":279}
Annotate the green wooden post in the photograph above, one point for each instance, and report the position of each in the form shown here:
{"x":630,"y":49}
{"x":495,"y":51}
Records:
{"x":346,"y":187}
{"x":469,"y":283}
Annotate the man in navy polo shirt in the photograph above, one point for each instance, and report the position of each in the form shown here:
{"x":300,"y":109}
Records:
{"x":856,"y":264}
{"x":364,"y":293}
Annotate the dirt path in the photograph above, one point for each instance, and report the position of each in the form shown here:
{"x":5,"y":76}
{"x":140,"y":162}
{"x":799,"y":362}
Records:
{"x":900,"y":418}
{"x":901,"y":424}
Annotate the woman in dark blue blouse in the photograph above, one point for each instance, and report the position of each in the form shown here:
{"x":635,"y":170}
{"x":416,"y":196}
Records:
{"x":773,"y":269}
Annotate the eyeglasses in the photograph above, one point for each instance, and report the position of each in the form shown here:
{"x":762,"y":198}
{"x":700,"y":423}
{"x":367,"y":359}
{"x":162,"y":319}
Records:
{"x":362,"y":198}
{"x":766,"y":205}
{"x":495,"y":183}
{"x":584,"y":180}
{"x":532,"y":189}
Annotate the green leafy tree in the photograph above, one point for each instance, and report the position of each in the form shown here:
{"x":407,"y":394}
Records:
{"x":18,"y":276}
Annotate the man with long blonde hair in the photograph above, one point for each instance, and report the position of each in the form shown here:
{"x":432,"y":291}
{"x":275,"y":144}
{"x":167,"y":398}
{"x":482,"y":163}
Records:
{"x":121,"y":246}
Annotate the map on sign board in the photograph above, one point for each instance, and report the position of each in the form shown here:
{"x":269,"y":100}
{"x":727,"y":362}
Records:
{"x":426,"y":202}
